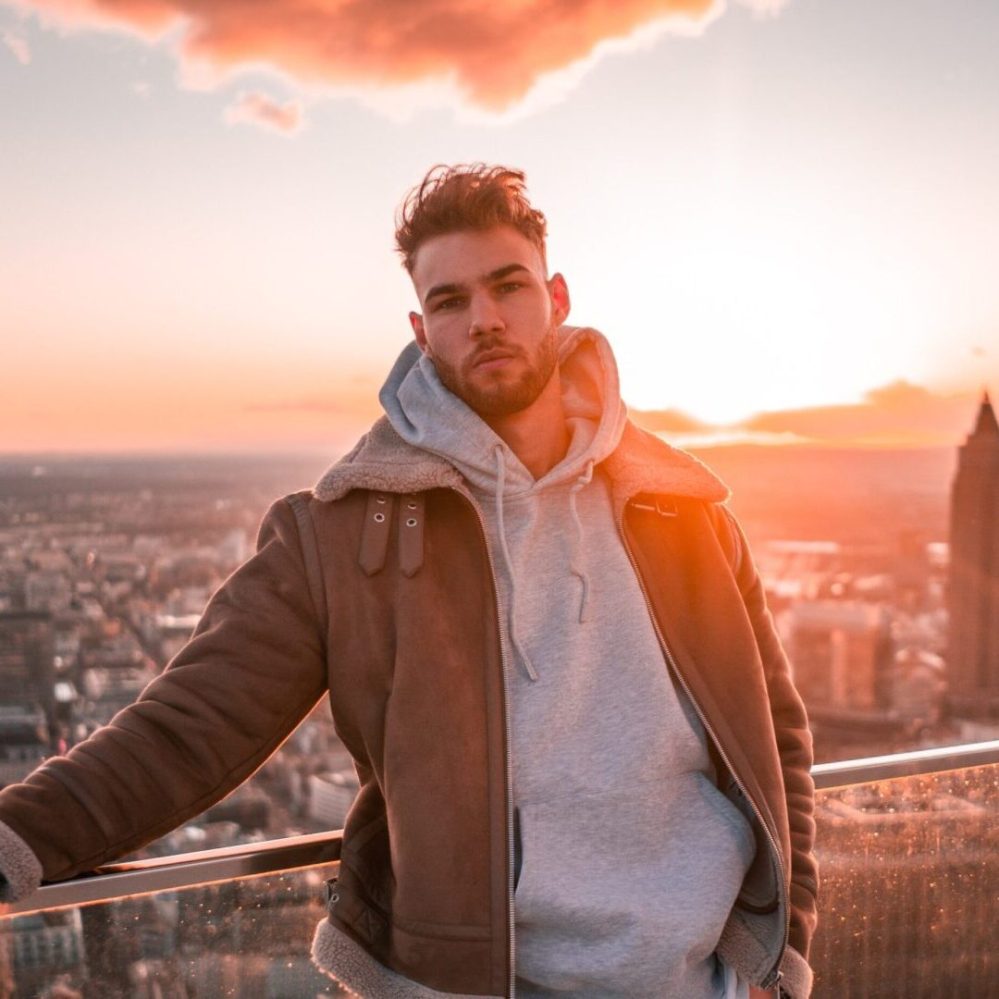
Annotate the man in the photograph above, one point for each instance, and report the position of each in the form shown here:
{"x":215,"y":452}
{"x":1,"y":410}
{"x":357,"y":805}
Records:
{"x":584,"y":769}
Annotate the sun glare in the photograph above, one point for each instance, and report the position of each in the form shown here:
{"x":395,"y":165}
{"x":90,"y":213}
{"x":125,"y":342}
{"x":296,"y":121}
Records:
{"x":748,"y":319}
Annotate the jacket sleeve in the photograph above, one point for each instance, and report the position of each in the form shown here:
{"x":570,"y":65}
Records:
{"x":251,"y":672}
{"x":794,"y":745}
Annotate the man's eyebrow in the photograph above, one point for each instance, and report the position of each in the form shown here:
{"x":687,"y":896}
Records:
{"x":502,"y":272}
{"x":454,"y":288}
{"x":443,"y":289}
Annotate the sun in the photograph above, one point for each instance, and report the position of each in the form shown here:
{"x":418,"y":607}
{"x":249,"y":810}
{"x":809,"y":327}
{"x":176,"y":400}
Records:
{"x":736,"y":320}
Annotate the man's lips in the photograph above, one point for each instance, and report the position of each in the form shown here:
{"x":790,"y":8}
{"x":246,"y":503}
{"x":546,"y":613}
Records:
{"x":492,"y":358}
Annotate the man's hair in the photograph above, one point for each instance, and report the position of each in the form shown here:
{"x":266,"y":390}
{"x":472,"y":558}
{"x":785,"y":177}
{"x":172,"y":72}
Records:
{"x":466,"y":197}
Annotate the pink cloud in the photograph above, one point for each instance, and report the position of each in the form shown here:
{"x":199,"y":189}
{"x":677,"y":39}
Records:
{"x":765,"y":8}
{"x":494,"y":52}
{"x":668,"y":421}
{"x":899,"y":413}
{"x":18,"y":45}
{"x":259,"y":109}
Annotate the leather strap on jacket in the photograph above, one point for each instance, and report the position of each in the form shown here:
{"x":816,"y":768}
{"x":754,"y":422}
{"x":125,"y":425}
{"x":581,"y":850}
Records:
{"x":411,"y":533}
{"x":375,"y":533}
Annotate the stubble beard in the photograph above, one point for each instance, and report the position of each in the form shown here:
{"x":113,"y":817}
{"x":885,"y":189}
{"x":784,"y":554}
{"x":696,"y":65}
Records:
{"x":502,"y":398}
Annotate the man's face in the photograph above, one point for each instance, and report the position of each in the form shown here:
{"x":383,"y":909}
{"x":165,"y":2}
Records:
{"x":489,"y":317}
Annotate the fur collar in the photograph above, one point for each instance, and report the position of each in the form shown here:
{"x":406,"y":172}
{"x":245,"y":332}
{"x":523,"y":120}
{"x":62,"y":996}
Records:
{"x":642,"y":463}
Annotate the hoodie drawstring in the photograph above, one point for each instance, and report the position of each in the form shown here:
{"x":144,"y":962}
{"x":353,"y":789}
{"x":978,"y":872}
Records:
{"x":505,"y":552}
{"x":581,"y":482}
{"x":584,"y":480}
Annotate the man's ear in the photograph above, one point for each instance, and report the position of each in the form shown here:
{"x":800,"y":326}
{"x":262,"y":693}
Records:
{"x":561,"y":303}
{"x":416,"y":321}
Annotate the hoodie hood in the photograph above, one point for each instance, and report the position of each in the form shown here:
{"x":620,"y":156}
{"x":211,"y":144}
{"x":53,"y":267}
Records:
{"x":383,"y":460}
{"x":430,"y":417}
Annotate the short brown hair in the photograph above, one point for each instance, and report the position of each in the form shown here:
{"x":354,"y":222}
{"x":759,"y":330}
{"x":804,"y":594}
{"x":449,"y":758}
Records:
{"x":466,"y":197}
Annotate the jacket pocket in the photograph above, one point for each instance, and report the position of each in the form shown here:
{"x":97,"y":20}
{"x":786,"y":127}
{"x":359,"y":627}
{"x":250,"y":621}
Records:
{"x":366,"y":864}
{"x":759,"y":892}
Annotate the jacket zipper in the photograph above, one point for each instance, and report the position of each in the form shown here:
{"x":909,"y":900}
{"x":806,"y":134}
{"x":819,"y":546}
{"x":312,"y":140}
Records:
{"x":774,"y":975}
{"x":507,"y":761}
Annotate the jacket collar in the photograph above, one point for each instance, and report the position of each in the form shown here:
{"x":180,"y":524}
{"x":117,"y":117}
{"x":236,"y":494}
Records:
{"x":642,"y":463}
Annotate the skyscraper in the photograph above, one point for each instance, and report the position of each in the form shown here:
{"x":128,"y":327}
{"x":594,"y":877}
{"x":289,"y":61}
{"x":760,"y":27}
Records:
{"x":974,"y":572}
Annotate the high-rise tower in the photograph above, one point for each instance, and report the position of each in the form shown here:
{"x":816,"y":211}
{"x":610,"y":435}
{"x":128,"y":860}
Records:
{"x":974,"y":571}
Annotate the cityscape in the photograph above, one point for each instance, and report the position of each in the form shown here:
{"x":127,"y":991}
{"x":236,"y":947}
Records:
{"x":868,"y":557}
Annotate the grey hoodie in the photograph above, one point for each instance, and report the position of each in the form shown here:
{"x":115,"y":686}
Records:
{"x":607,"y":757}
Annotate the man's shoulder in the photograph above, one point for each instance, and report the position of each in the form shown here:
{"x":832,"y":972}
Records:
{"x":645,"y":463}
{"x":671,"y":480}
{"x":382,"y":460}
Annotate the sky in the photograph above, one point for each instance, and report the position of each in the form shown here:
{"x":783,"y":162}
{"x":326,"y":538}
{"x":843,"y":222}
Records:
{"x":782,"y":213}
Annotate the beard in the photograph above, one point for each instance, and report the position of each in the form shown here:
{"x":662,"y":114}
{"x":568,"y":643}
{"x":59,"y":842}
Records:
{"x":500,"y":397}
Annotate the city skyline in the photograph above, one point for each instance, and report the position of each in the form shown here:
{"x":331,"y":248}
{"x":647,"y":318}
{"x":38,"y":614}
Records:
{"x":769,"y":207}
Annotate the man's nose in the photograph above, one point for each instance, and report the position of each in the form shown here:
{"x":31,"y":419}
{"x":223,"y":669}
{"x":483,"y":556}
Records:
{"x":485,"y":316}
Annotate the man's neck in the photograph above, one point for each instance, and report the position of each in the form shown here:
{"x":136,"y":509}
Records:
{"x":538,"y":435}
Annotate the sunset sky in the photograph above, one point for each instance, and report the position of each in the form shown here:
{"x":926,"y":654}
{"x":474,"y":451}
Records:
{"x":779,"y":207}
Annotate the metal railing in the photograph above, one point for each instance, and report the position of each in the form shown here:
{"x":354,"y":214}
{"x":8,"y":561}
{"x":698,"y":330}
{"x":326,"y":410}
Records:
{"x":919,"y":761}
{"x":184,"y":870}
{"x":229,"y":863}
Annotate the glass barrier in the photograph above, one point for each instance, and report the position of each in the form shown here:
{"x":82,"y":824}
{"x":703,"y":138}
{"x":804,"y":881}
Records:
{"x":244,"y":939}
{"x":910,"y":891}
{"x":909,"y":887}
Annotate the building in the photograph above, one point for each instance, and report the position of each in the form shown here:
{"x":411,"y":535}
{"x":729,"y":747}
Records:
{"x":27,"y":654}
{"x":841,"y":653}
{"x":45,"y":944}
{"x":27,"y":692}
{"x":24,"y":742}
{"x":330,"y":797}
{"x":973,"y":654}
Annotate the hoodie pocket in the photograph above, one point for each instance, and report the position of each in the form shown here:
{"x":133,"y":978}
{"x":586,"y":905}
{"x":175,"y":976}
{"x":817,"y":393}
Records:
{"x":630,"y":886}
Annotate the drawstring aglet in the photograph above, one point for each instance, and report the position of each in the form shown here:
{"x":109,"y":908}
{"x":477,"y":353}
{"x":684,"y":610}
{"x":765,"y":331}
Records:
{"x":584,"y":582}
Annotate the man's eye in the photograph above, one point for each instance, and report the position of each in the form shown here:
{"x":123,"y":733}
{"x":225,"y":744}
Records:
{"x":446,"y":304}
{"x":507,"y":286}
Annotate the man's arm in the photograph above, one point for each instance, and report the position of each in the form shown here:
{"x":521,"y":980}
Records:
{"x":253,"y":669}
{"x":794,"y":745}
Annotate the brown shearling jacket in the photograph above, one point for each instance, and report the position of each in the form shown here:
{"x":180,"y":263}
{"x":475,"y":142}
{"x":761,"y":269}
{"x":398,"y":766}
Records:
{"x":411,"y":659}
